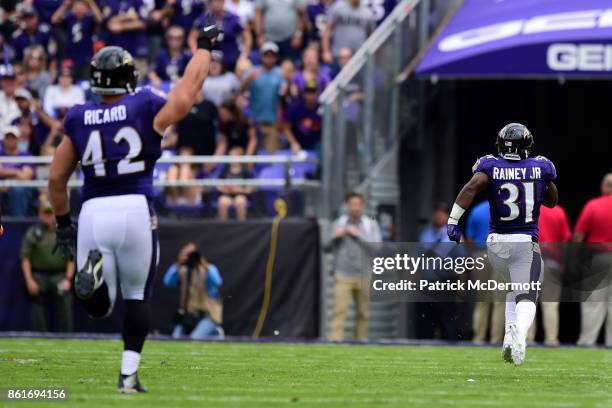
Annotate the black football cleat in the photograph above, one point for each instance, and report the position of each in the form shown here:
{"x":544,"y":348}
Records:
{"x":89,"y":278}
{"x":129,"y":384}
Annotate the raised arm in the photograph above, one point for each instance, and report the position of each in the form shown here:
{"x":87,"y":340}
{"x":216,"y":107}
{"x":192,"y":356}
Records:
{"x":95,"y":11}
{"x":60,"y":13}
{"x":477,"y":183}
{"x":247,"y":41}
{"x":184,"y":94}
{"x":258,"y":25}
{"x":326,"y":43}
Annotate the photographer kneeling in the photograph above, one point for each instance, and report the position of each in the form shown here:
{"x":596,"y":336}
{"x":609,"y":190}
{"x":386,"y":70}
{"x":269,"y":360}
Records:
{"x":200,"y":311}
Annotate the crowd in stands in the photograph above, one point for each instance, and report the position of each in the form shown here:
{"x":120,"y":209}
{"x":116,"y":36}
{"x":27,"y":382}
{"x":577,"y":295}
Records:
{"x":272,"y":63}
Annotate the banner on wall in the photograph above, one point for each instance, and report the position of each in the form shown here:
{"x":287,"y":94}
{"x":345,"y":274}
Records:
{"x":523,"y":38}
{"x":239,"y":250}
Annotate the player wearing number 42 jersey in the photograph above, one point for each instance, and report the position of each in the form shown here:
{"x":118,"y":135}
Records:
{"x":117,"y":141}
{"x":517,"y":183}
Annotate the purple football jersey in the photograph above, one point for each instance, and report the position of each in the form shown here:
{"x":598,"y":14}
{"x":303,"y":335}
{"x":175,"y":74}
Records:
{"x":116,"y":144}
{"x":186,"y":12}
{"x":169,"y":68}
{"x":22,"y":40}
{"x":46,"y":8}
{"x":515,"y":192}
{"x":79,"y":37}
{"x":135,"y":41}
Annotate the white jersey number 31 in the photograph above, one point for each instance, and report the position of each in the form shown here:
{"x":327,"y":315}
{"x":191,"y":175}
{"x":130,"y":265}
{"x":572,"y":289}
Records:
{"x":513,"y":198}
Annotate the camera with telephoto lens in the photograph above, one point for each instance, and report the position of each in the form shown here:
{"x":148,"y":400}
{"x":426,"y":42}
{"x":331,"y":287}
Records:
{"x":184,"y":317}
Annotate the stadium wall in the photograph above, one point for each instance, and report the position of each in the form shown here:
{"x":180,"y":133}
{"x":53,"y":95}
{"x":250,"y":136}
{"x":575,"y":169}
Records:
{"x":239,"y":250}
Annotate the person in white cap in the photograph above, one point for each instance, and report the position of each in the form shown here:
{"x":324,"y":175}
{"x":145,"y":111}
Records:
{"x":264,"y":83}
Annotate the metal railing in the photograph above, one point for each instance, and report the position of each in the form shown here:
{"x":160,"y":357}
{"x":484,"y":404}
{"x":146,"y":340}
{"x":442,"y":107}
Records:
{"x":254,"y":159}
{"x":361,"y":105}
{"x":286,"y":183}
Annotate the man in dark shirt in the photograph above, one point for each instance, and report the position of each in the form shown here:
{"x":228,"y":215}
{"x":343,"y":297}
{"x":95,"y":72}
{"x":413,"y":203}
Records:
{"x":302,"y":126}
{"x":196,"y":132}
{"x":125,"y":20}
{"x":33,"y":33}
{"x":196,"y":136}
{"x":78,"y":20}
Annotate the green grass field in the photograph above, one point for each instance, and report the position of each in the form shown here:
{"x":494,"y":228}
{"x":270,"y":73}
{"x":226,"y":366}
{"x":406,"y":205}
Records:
{"x":181,"y":374}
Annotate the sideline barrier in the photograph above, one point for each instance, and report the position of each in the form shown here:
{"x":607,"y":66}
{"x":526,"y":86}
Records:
{"x":238,"y":249}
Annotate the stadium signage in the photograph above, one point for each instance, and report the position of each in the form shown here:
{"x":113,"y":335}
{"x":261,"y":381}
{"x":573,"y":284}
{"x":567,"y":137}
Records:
{"x":575,"y":20}
{"x":579,"y":57}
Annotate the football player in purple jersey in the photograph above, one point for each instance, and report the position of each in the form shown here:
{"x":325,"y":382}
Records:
{"x":517,"y":183}
{"x":117,"y":141}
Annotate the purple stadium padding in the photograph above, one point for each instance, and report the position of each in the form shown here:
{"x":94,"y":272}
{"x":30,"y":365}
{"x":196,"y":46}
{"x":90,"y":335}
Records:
{"x":271,"y":193}
{"x":524,"y":38}
{"x":298,"y":170}
{"x":273,"y":171}
{"x":161,"y":169}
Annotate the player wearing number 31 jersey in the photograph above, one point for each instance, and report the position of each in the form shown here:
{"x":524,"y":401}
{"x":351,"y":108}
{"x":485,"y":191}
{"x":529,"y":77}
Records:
{"x":517,"y":183}
{"x":117,"y":141}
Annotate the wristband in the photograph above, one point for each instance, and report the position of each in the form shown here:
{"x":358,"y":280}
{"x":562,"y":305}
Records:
{"x":63,"y":220}
{"x":456,"y":214}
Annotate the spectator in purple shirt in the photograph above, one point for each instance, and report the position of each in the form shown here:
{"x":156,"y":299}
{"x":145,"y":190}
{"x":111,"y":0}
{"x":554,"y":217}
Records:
{"x":125,"y":20}
{"x":46,"y":9}
{"x":311,"y":71}
{"x":236,"y":40}
{"x":78,"y":20}
{"x":317,"y":18}
{"x":185,"y":12}
{"x":302,"y":125}
{"x":33,"y":33}
{"x":17,"y":198}
{"x":7,"y":53}
{"x":170,"y":62}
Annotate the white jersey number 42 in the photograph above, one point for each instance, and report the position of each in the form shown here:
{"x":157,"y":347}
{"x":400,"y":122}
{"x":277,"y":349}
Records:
{"x":93,"y":154}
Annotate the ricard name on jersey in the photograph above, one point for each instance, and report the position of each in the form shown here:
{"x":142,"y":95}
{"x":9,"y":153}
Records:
{"x":102,"y":116}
